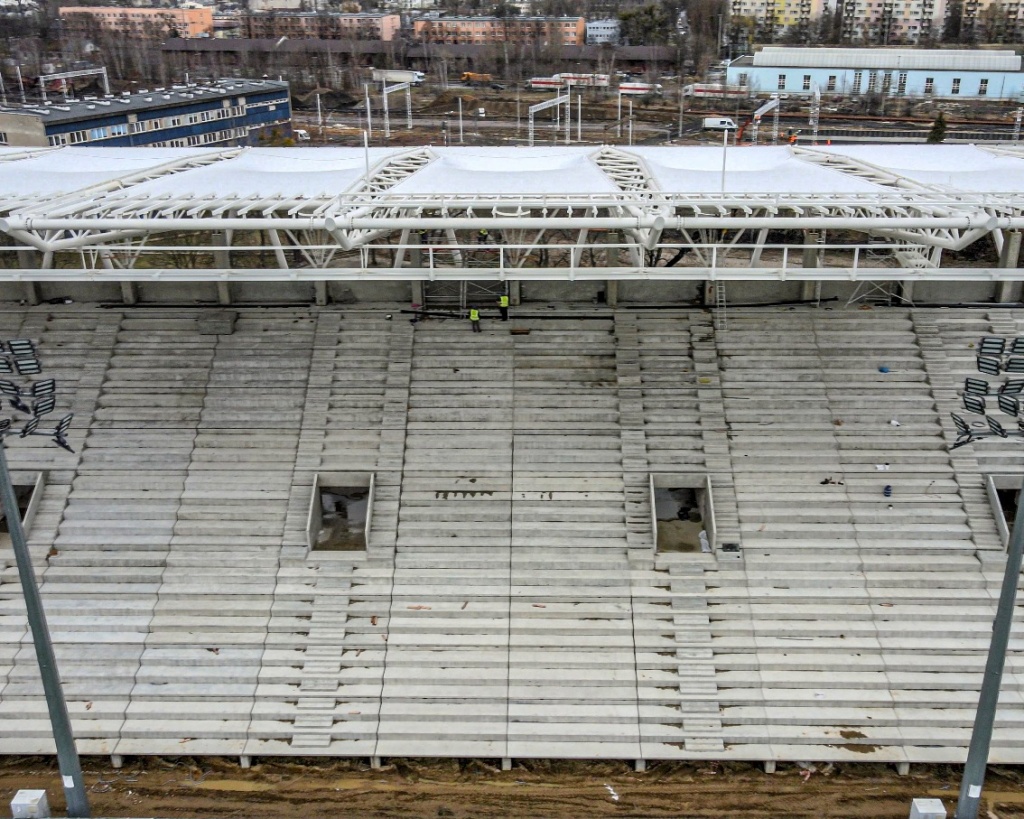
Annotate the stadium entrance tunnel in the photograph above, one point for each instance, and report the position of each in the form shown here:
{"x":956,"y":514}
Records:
{"x":340,"y":511}
{"x":682,"y":512}
{"x":1004,"y":496}
{"x":29,"y":494}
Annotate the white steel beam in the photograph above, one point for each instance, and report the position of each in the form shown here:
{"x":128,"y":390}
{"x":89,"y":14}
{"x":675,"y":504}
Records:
{"x":644,"y":272}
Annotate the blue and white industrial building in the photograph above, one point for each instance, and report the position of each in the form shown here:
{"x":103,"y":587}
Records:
{"x":227,"y":112}
{"x":898,"y":72}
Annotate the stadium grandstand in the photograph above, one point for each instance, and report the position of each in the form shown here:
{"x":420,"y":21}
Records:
{"x":701,"y":497}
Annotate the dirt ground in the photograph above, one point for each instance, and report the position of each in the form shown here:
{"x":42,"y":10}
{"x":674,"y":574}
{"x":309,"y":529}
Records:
{"x":188,"y":786}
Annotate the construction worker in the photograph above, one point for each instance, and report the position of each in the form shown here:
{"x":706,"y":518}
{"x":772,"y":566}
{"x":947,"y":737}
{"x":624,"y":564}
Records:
{"x":474,"y":319}
{"x":482,"y":235}
{"x":503,"y":306}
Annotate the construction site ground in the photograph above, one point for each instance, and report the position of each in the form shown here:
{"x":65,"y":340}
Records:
{"x":214,"y":787}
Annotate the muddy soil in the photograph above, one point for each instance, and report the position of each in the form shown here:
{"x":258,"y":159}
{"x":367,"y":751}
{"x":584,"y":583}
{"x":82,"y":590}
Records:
{"x":187,"y":786}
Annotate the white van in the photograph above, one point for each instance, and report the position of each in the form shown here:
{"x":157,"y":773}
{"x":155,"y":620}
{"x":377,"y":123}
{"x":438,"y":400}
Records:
{"x":301,"y":135}
{"x":718,"y":124}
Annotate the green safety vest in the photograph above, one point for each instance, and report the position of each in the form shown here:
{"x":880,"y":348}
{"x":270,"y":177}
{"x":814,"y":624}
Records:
{"x":503,"y":301}
{"x":474,"y":315}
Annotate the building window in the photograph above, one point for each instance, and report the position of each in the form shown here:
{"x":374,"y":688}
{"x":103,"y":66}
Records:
{"x":872,"y":82}
{"x":956,"y":86}
{"x":782,"y":82}
{"x":119,"y":130}
{"x":929,"y":85}
{"x":742,"y":80}
{"x":3,"y":137}
{"x":807,"y":82}
{"x":831,"y":85}
{"x":857,"y":77}
{"x":901,"y":83}
{"x":982,"y":88}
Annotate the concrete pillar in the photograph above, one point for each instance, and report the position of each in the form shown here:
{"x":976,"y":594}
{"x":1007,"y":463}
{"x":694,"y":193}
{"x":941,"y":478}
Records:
{"x":129,"y":293}
{"x":514,"y":293}
{"x":1010,"y":257}
{"x":29,"y":260}
{"x":416,"y":291}
{"x":320,"y":293}
{"x":375,"y":762}
{"x":611,"y":286}
{"x":245,"y":761}
{"x":221,"y":260}
{"x":639,"y":765}
{"x":902,"y":768}
{"x":221,"y":256}
{"x":116,"y":760}
{"x":506,"y":763}
{"x":769,"y":766}
{"x":811,"y":258}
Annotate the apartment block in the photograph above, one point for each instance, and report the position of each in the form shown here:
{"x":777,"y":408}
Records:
{"x":482,"y":30}
{"x":137,"y":22}
{"x":323,"y":26}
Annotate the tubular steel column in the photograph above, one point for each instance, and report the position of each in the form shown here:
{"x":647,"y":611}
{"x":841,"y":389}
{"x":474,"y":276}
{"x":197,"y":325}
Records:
{"x":981,"y":737}
{"x":67,"y":754}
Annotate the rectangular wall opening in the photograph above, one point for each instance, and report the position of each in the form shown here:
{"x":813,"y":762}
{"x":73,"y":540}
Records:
{"x":682,"y":513}
{"x":1004,"y":497}
{"x":29,"y":494}
{"x":340,"y":512}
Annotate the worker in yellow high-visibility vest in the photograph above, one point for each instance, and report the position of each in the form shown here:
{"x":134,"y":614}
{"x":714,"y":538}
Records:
{"x":503,"y":306}
{"x":474,"y":319}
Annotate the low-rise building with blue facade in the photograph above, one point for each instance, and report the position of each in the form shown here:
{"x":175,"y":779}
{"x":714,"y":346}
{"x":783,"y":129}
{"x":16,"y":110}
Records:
{"x":901,"y":72}
{"x":227,"y":112}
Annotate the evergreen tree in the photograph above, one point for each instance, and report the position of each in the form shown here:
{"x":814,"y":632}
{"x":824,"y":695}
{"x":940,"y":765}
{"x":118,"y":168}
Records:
{"x":938,"y":131}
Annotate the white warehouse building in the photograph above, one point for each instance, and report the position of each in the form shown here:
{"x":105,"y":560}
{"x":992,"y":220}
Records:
{"x":891,"y":71}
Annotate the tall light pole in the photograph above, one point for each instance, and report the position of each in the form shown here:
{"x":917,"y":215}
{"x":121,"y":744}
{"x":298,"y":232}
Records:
{"x":19,"y":355}
{"x":988,"y":699}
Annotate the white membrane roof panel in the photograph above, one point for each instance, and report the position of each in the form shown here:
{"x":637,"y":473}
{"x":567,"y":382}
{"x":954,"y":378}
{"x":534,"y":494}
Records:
{"x":552,"y":170}
{"x":768,"y":169}
{"x":52,"y":173}
{"x":271,"y":173}
{"x":956,"y":167}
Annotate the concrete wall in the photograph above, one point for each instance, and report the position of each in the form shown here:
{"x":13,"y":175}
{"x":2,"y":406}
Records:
{"x":22,"y":129}
{"x":629,"y":292}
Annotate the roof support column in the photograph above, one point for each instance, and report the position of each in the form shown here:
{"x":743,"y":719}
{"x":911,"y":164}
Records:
{"x":222,"y":260}
{"x":812,"y":258}
{"x":611,"y":286}
{"x":416,"y":293}
{"x":129,"y":293}
{"x":1010,"y":257}
{"x":29,"y":259}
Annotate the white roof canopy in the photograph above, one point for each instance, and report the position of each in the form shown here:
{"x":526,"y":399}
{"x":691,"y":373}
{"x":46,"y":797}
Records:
{"x":117,"y":205}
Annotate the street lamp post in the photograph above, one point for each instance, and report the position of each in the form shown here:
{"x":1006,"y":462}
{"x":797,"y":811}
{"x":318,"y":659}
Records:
{"x":19,"y":356}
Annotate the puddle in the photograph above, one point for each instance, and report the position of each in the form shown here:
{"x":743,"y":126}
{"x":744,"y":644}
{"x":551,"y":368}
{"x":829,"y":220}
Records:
{"x":234,"y":785}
